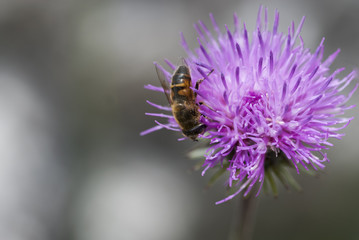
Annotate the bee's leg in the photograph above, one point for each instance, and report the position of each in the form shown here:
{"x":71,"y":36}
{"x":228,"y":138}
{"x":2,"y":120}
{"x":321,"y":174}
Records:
{"x":202,"y":103}
{"x":200,"y":81}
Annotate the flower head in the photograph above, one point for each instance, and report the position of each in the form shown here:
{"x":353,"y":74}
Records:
{"x":269,"y":97}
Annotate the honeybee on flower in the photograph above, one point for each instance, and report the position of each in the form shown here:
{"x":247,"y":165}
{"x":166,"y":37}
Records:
{"x":269,"y":100}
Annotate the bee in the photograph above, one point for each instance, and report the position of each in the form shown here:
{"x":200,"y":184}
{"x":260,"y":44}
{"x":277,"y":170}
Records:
{"x":183,"y":100}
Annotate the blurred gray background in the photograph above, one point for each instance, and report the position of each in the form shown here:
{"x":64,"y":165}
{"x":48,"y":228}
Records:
{"x":72,"y":104}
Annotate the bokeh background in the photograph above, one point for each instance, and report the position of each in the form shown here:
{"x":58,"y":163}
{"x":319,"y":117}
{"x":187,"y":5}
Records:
{"x":72,"y":103}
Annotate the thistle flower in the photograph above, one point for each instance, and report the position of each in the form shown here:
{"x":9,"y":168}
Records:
{"x":269,"y":100}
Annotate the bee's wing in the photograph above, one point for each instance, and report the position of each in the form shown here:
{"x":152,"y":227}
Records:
{"x":164,"y":83}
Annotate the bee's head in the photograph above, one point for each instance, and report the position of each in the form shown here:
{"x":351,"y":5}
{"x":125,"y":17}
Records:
{"x":193,"y":133}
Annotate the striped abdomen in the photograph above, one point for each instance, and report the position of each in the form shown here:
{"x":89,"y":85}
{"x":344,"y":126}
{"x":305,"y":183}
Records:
{"x":184,"y":107}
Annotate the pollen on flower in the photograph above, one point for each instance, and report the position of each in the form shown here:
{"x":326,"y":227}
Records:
{"x":269,"y":97}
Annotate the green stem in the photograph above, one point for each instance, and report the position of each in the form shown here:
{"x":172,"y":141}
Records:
{"x":244,"y":219}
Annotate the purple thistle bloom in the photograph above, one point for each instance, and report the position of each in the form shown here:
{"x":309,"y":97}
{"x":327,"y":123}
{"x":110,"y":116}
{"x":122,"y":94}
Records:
{"x":268,"y":96}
